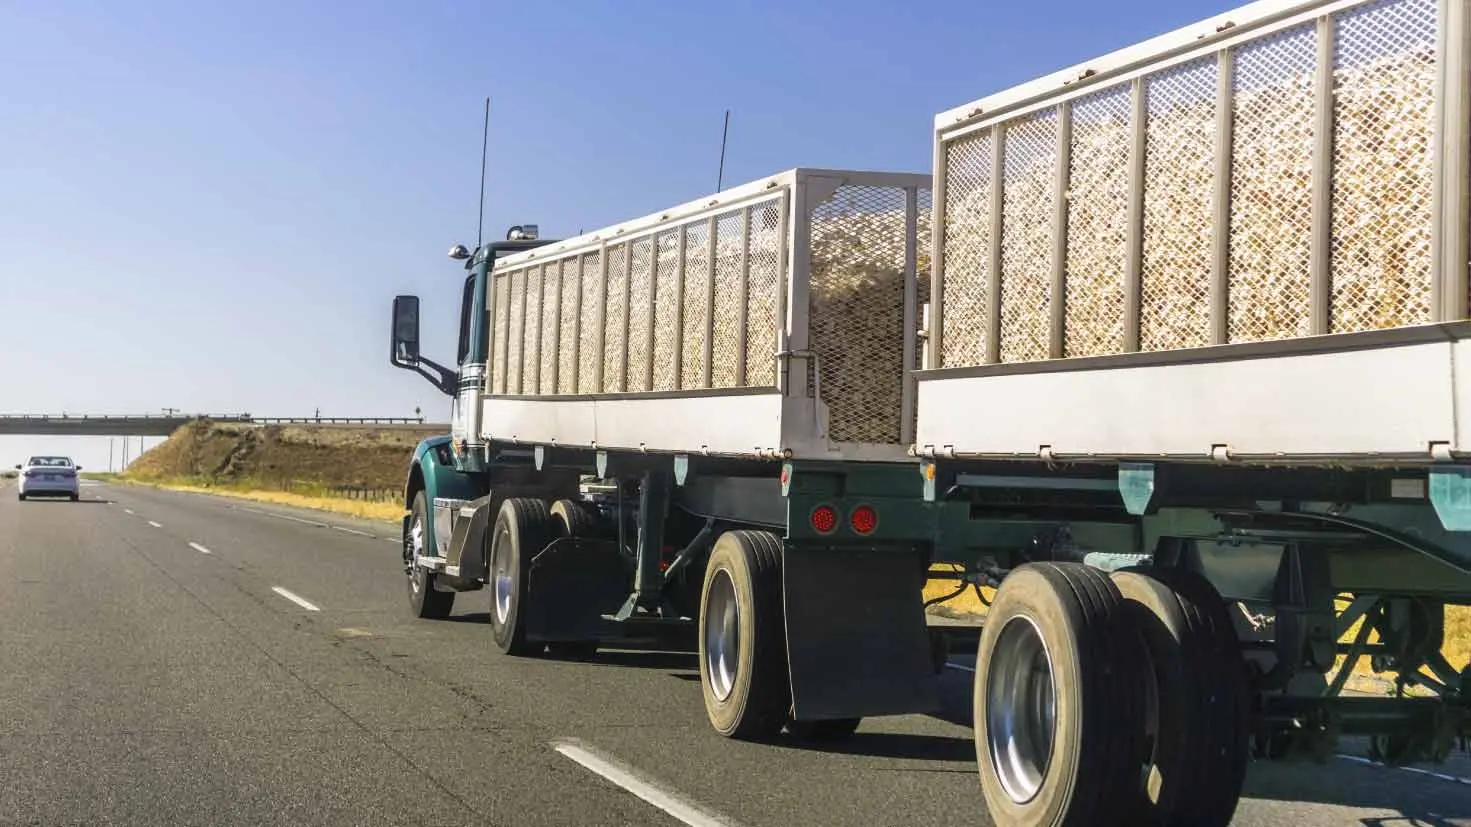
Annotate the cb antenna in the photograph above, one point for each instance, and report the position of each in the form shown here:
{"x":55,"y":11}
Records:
{"x":720,"y":179}
{"x":484,"y":141}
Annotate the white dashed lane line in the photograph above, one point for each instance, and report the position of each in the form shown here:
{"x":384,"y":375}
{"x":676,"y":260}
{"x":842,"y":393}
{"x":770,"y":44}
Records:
{"x":1454,"y":779}
{"x":670,"y":802}
{"x":295,"y":599}
{"x":346,"y":530}
{"x":201,"y":549}
{"x":127,"y":511}
{"x":155,"y":525}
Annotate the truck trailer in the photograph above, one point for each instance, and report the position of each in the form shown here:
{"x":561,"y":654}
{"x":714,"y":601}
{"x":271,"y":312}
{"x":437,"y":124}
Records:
{"x":1167,"y":355}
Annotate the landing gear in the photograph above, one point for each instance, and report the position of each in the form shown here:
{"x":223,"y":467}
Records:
{"x":425,"y":600}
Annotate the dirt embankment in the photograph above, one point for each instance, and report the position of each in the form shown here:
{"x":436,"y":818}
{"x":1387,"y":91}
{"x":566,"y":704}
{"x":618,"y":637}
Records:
{"x":277,"y":457}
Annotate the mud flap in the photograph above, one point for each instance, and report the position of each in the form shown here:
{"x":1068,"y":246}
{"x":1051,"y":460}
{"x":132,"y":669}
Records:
{"x":570,"y":585}
{"x":857,"y":642}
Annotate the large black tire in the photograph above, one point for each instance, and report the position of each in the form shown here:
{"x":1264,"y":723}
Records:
{"x":1200,"y":743}
{"x":425,"y":601}
{"x":575,"y":519}
{"x":1067,"y":618}
{"x":523,"y":527}
{"x":747,"y":694}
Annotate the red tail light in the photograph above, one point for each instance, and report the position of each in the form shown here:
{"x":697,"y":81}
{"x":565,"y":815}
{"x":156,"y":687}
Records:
{"x":864,"y":519}
{"x":824,"y":519}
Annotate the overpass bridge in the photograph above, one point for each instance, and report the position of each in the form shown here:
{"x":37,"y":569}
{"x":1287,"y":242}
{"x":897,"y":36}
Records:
{"x":163,"y":425}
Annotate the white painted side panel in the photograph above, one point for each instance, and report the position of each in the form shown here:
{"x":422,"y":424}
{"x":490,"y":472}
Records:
{"x":570,"y":422}
{"x":1347,"y":404}
{"x":731,"y":425}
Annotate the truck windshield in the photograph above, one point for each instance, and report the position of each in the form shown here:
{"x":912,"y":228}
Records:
{"x":466,"y":300}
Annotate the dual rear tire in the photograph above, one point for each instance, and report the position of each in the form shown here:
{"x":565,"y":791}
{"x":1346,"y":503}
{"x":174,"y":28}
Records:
{"x":1109,"y":699}
{"x":742,"y":644}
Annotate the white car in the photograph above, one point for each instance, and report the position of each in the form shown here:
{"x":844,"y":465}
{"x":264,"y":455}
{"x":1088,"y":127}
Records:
{"x":53,"y":476}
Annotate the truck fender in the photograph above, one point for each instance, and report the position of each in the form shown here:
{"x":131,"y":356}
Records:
{"x":432,"y":471}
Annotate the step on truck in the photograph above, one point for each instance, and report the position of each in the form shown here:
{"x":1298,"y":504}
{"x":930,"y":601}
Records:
{"x":1166,"y":357}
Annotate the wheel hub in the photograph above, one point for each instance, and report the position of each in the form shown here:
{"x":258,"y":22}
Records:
{"x":1021,"y":709}
{"x":722,"y":635}
{"x":504,"y":588}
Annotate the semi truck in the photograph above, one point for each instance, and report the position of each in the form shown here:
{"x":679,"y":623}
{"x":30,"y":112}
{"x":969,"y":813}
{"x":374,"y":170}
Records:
{"x":1167,"y":357}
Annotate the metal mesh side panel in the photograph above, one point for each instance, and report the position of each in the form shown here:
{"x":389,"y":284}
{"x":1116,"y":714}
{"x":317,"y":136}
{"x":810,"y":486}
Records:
{"x":924,"y":229}
{"x":666,"y":308}
{"x":967,"y":247}
{"x":1030,"y":162}
{"x":1179,"y":174}
{"x":1098,"y":212}
{"x":499,"y":330}
{"x":551,"y":328}
{"x":531,"y":332}
{"x":1384,"y":79}
{"x":589,"y":354}
{"x":696,"y":303}
{"x":1271,"y":187}
{"x":615,"y":349}
{"x":857,"y":311}
{"x":569,"y":294}
{"x":766,"y":274}
{"x":641,"y":288}
{"x":726,"y":355}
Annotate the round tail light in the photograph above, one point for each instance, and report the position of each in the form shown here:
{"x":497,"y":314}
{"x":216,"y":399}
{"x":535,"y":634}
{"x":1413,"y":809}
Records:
{"x":824,"y":519}
{"x":864,"y":519}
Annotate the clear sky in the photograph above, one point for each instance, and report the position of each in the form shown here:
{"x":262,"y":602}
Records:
{"x":209,"y":205}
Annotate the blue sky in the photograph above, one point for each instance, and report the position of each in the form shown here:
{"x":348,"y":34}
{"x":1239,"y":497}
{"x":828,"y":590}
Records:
{"x":209,"y":205}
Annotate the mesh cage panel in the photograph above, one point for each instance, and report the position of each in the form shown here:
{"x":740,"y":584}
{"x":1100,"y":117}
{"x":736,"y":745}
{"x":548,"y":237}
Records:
{"x":500,"y":328}
{"x":1383,"y":175}
{"x":666,"y":312}
{"x":589,"y":352}
{"x":1179,"y":175}
{"x":531,"y":331}
{"x":767,"y":270}
{"x":1098,"y":213}
{"x":857,"y":311}
{"x":641,"y":291}
{"x":551,"y":311}
{"x":1271,"y":187}
{"x":696,"y":304}
{"x":518,"y":353}
{"x":967,"y":250}
{"x":568,"y":339}
{"x":615,"y":346}
{"x":726,"y":354}
{"x":924,"y":231}
{"x":1029,"y":167}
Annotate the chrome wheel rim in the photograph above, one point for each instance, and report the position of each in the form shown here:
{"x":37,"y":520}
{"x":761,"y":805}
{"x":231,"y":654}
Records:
{"x":501,"y":572}
{"x":416,"y":549}
{"x":1021,"y":709}
{"x":722,"y":635}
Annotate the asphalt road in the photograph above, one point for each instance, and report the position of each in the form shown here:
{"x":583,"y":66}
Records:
{"x":181,"y":659}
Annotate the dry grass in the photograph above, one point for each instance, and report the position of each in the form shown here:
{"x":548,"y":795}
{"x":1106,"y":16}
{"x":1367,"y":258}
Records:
{"x":1457,"y":649}
{"x":388,"y":512}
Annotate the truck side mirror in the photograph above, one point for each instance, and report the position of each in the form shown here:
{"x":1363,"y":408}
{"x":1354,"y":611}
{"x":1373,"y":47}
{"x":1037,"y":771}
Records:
{"x":405,"y":330}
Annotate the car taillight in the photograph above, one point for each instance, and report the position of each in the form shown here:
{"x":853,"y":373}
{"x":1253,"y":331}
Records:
{"x":824,"y":519}
{"x":864,"y":519}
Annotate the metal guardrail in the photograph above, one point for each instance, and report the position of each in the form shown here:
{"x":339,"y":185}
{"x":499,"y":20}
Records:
{"x":268,"y":420}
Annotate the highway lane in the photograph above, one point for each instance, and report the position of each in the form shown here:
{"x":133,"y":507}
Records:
{"x":157,"y":674}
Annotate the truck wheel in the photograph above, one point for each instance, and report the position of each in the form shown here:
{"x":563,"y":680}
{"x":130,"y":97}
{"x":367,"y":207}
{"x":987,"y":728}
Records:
{"x":574,"y":519}
{"x":425,"y":601}
{"x":1057,"y":707}
{"x":523,"y":527}
{"x":743,"y":658}
{"x":1197,"y":739}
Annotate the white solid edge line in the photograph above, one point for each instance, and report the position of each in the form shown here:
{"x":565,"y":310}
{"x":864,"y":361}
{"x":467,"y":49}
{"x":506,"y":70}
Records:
{"x":295,"y":599}
{"x":201,"y":549}
{"x":155,"y":525}
{"x":962,"y":667}
{"x":351,"y":531}
{"x":669,"y":802}
{"x":1454,"y":779}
